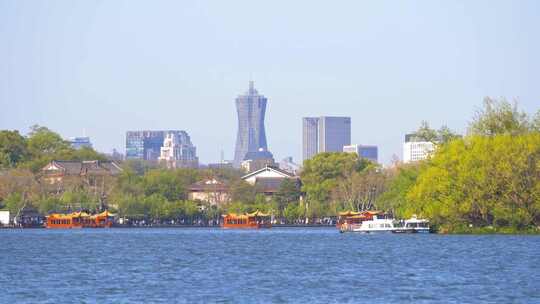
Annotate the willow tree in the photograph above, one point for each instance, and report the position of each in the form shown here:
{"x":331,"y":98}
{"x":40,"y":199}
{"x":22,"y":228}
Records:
{"x":482,"y":181}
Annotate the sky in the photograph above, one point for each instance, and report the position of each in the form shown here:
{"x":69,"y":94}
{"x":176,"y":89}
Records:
{"x":100,"y":68}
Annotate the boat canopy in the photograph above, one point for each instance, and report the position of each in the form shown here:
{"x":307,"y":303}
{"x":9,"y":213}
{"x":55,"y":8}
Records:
{"x":247,"y":215}
{"x":349,"y":213}
{"x":361,"y":213}
{"x":78,"y":214}
{"x":258,"y":214}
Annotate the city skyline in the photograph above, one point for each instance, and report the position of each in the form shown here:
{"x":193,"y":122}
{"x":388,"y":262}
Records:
{"x":74,"y":67}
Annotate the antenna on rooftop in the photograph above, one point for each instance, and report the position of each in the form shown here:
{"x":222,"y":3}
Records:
{"x":251,"y":83}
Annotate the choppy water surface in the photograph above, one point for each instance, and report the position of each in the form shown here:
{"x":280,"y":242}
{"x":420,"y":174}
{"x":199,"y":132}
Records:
{"x":277,"y":265}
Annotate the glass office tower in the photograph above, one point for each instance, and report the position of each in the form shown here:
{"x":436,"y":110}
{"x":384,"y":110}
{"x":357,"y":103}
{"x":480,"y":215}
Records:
{"x":251,"y":136}
{"x":325,"y":134}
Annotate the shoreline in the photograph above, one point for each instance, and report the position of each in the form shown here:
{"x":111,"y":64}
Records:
{"x":473,"y":232}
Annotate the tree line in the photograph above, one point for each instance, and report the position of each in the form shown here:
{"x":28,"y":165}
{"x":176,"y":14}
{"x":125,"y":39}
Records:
{"x":487,"y":179}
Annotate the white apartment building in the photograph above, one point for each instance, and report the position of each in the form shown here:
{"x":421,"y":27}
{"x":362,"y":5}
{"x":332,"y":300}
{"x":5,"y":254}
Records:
{"x":415,"y":149}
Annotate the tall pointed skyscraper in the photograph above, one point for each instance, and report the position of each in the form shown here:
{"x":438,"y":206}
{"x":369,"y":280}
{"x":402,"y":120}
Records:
{"x":251,"y":136}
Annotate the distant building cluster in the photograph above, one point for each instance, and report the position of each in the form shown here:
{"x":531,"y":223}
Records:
{"x":172,"y":147}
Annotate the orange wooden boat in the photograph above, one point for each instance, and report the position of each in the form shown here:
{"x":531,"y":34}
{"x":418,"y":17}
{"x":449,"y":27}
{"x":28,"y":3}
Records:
{"x":80,"y":220}
{"x":253,"y":220}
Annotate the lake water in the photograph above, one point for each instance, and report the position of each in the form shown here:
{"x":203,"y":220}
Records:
{"x":260,"y":266}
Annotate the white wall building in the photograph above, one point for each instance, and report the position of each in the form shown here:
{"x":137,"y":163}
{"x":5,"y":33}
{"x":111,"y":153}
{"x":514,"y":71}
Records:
{"x":415,"y":149}
{"x":176,"y":154}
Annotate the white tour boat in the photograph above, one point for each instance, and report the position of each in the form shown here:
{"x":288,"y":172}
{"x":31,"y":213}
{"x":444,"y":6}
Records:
{"x":379,"y":223}
{"x":413,"y":225}
{"x":417,"y":225}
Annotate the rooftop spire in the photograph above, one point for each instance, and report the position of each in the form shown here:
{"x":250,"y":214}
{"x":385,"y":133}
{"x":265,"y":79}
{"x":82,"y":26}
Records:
{"x":251,"y":87}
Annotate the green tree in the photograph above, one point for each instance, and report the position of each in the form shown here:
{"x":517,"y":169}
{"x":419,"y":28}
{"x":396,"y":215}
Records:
{"x":19,"y":181}
{"x":482,"y":181}
{"x":241,"y":191}
{"x":172,"y":184}
{"x":80,"y":199}
{"x":445,"y":135}
{"x":294,"y":211}
{"x":321,"y":173}
{"x":536,"y":122}
{"x":44,"y":145}
{"x":50,"y":204}
{"x":359,"y":190}
{"x":42,"y":141}
{"x":401,"y":180}
{"x":15,"y":203}
{"x":13,"y":149}
{"x":499,"y":117}
{"x":289,"y":191}
{"x":425,"y":133}
{"x":84,"y":153}
{"x":139,"y":167}
{"x":441,"y":136}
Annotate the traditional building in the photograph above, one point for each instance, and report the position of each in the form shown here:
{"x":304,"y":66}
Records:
{"x":57,"y":170}
{"x":212,"y":191}
{"x":268,"y":179}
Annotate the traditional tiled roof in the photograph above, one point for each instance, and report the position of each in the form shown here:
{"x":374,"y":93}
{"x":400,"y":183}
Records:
{"x":209,"y":185}
{"x":85,"y":167}
{"x":284,"y":173}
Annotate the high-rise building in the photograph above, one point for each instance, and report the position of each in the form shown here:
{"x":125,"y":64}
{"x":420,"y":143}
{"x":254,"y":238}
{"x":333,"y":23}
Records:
{"x":147,"y":144}
{"x":326,"y":133}
{"x":364,"y":151}
{"x":310,"y":137}
{"x":415,"y":148}
{"x":80,"y":142}
{"x":178,"y":152}
{"x":251,"y":136}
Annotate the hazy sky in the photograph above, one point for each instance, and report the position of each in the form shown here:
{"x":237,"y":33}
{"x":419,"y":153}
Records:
{"x":104,"y":67}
